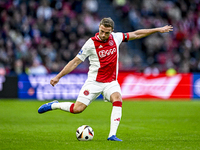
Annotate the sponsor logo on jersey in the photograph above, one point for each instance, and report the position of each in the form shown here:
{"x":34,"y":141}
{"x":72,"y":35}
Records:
{"x":104,"y":53}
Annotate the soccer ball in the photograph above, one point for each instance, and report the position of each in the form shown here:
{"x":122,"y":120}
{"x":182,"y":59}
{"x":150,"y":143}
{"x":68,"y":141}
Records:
{"x":84,"y":133}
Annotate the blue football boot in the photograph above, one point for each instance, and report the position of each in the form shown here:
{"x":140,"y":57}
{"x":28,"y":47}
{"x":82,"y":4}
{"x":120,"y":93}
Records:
{"x":113,"y":138}
{"x":46,"y":107}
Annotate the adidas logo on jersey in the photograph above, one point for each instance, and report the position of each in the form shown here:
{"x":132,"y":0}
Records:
{"x":100,"y":46}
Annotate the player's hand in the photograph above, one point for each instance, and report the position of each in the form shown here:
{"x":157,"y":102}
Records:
{"x":166,"y":28}
{"x":54,"y":81}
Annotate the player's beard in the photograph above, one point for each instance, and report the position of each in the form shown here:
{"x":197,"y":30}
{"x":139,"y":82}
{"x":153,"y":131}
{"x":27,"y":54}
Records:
{"x":103,"y":38}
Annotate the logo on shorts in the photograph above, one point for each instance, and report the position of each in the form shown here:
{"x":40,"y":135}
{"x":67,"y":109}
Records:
{"x":86,"y":92}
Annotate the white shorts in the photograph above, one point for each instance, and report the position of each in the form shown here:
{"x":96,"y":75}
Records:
{"x":92,"y":89}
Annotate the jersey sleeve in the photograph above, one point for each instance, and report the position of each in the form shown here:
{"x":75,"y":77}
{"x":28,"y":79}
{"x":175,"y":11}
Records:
{"x":85,"y":50}
{"x":121,"y":37}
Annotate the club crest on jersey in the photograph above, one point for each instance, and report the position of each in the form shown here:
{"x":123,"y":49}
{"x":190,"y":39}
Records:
{"x":111,"y":43}
{"x":104,"y":53}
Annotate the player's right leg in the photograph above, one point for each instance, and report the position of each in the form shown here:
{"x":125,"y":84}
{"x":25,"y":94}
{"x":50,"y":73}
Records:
{"x":46,"y":107}
{"x":88,"y":92}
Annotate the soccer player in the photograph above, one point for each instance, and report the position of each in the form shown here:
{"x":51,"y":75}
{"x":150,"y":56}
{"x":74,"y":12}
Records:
{"x":103,"y":53}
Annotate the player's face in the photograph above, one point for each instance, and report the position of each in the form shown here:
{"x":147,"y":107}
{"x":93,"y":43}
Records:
{"x":104,"y":32}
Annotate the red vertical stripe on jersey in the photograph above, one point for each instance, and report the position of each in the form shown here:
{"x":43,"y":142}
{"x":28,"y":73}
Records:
{"x":107,"y":54}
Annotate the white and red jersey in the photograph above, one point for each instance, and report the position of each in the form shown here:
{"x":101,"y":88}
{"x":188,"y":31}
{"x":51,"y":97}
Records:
{"x":103,"y":56}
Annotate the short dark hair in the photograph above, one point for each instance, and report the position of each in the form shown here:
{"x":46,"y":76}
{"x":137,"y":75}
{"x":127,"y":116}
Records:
{"x":107,"y":22}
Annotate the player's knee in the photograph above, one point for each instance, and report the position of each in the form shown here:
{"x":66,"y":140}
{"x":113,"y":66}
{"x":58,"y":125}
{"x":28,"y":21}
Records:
{"x":116,"y":97}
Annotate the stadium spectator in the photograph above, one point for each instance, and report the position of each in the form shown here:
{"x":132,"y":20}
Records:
{"x":44,"y":10}
{"x":52,"y":29}
{"x":37,"y":69}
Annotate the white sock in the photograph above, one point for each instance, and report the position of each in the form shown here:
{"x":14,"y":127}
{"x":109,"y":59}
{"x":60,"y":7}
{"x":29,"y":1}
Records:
{"x":63,"y":106}
{"x":115,"y":120}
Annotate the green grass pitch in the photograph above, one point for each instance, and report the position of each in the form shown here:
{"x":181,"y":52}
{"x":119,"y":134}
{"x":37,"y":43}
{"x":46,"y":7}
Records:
{"x":145,"y":125}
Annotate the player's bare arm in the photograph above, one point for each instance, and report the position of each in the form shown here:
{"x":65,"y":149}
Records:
{"x":67,"y":69}
{"x":146,"y":32}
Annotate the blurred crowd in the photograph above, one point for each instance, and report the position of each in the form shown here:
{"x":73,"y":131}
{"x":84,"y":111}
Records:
{"x":41,"y":36}
{"x":179,"y":50}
